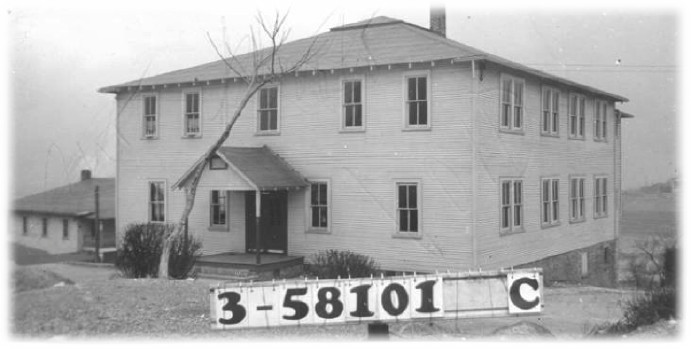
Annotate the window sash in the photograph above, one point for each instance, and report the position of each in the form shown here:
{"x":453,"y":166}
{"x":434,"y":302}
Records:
{"x":192,"y":125}
{"x":550,"y":201}
{"x":219,"y":208}
{"x":25,"y":225}
{"x":416,"y":101}
{"x":319,"y":204}
{"x":550,"y":111}
{"x":408,"y":215}
{"x":157,"y":202}
{"x":44,"y":231}
{"x":512,"y":103}
{"x":268,"y":109}
{"x":577,"y":198}
{"x":65,"y":229}
{"x":511,"y":205}
{"x":150,"y":115}
{"x":352,"y":103}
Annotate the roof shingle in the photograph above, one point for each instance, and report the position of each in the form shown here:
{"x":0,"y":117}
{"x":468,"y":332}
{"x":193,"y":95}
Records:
{"x":76,"y":199}
{"x":262,"y":167}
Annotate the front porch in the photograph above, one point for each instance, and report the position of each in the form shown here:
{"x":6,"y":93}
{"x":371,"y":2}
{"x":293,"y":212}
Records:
{"x":243,"y":266}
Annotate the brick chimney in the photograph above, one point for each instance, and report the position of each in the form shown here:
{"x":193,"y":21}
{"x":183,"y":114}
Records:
{"x":86,"y":174}
{"x":437,"y":19}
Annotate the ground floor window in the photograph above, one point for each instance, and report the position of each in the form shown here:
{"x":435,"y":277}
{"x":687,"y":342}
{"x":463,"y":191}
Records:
{"x":550,"y":202}
{"x":25,"y":225}
{"x":44,"y":232}
{"x":577,"y":199}
{"x":408,"y":208}
{"x":600,"y":197}
{"x":65,"y":229}
{"x":511,"y":205}
{"x":319,"y":205}
{"x":157,"y":203}
{"x":219,"y":208}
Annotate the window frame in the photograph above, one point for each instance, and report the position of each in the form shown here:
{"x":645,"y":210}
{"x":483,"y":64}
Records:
{"x":258,"y":110}
{"x":25,"y":225}
{"x":211,"y":161}
{"x":512,"y":228}
{"x":601,"y":199}
{"x":344,"y":105}
{"x":65,"y":229}
{"x":149,"y":202}
{"x":554,"y":220}
{"x":309,"y":206}
{"x":580,"y":114}
{"x":156,"y":115}
{"x":551,"y":132}
{"x":511,"y":128}
{"x":580,"y":200}
{"x":406,"y":116}
{"x":600,"y":119}
{"x":44,"y":227}
{"x":214,"y":226}
{"x":419,"y":208}
{"x":185,"y":93}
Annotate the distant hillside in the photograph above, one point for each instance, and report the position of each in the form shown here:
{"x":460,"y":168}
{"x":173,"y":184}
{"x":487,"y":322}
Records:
{"x":669,"y":186}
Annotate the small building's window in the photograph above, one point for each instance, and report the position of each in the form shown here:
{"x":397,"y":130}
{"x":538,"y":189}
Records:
{"x":607,"y":255}
{"x":584,"y":264}
{"x":150,"y":116}
{"x":25,"y":225}
{"x":319,"y":205}
{"x":216,"y":163}
{"x":219,"y":208}
{"x":511,"y":103}
{"x":600,"y":121}
{"x":577,"y":199}
{"x":268,"y":110}
{"x":44,"y":231}
{"x":192,"y":114}
{"x":407,"y":211}
{"x":352,"y":105}
{"x":576,"y":116}
{"x":600,"y":197}
{"x":65,"y":229}
{"x":550,"y":111}
{"x":157,"y":202}
{"x":550,"y":202}
{"x":417,"y":106}
{"x":511,"y":205}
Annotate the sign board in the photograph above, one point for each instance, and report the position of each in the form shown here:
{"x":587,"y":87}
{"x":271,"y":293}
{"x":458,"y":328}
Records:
{"x":399,"y":298}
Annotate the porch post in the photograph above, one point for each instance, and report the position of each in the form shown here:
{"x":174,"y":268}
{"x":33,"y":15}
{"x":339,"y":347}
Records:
{"x":257,"y":210}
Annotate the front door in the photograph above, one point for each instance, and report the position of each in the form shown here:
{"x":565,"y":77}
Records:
{"x":274,"y":221}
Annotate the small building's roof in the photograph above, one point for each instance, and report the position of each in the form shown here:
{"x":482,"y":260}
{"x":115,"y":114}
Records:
{"x":261,"y":167}
{"x":76,"y":199}
{"x":379,"y":41}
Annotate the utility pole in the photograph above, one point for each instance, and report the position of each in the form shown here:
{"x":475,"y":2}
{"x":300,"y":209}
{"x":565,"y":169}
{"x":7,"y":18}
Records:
{"x":97,"y":228}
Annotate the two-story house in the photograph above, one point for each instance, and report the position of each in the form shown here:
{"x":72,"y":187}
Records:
{"x":393,"y":141}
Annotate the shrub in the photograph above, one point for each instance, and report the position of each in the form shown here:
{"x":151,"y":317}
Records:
{"x":331,"y":264}
{"x":140,"y":251}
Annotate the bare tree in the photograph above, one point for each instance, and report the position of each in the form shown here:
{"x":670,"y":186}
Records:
{"x":256,"y":69}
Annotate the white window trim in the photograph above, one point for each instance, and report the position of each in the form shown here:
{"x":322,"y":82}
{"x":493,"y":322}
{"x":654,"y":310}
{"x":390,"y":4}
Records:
{"x":602,"y":137}
{"x":605,"y":212}
{"x":511,"y":128}
{"x":578,"y":117}
{"x":184,"y":94}
{"x":148,"y":200}
{"x":363,"y":100}
{"x":157,"y":124}
{"x":416,"y":74}
{"x":405,"y":234}
{"x":308,"y":207}
{"x":585,"y":191}
{"x":257,"y":120}
{"x":219,"y":227}
{"x":552,"y":222}
{"x":550,"y":132}
{"x":512,"y":229}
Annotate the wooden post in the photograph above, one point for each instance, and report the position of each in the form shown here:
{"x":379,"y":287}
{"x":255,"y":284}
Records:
{"x":97,"y":228}
{"x":378,"y":331}
{"x":257,"y":230}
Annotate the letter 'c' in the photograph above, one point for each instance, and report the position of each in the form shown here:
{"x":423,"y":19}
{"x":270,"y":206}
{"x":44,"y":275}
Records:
{"x":516,"y":297}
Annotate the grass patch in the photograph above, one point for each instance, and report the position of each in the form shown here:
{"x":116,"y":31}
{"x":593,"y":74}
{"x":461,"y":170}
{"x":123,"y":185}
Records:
{"x":26,"y":279}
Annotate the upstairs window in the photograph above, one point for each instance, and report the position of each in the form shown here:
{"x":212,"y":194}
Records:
{"x":407,"y":210}
{"x":511,"y":205}
{"x":417,"y":103}
{"x":550,"y":202}
{"x":600,"y":121}
{"x":219,"y":208}
{"x":268,"y":110}
{"x":600,"y":197}
{"x":150,"y":116}
{"x":192,"y":115}
{"x":319,"y":205}
{"x":157,"y":202}
{"x":352,"y":105}
{"x":577,"y":199}
{"x":511,"y":103}
{"x":550,"y":111}
{"x":576,"y":116}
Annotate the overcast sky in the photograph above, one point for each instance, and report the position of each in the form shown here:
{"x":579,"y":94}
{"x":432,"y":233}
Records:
{"x":59,"y":56}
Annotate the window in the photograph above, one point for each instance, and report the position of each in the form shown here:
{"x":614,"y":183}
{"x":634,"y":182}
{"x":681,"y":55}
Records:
{"x":511,"y":205}
{"x":407,"y":211}
{"x":577,"y":199}
{"x":44,"y":232}
{"x":319,"y":205}
{"x":216,"y":163}
{"x":600,"y":122}
{"x":192,"y":114}
{"x":511,"y":103}
{"x":584,"y":264}
{"x":157,"y":203}
{"x":550,"y":111}
{"x":65,"y":229}
{"x":417,"y":106}
{"x":219,"y":208}
{"x":25,"y":225}
{"x":150,"y":119}
{"x":268,"y":110}
{"x":576,"y":116}
{"x":352,"y":105}
{"x":550,"y":202}
{"x":600,"y":197}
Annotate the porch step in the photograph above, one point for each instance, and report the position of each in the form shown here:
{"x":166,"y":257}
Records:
{"x":241,"y":267}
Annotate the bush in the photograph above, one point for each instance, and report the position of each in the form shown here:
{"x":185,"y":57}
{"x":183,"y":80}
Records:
{"x":140,"y":251}
{"x":331,"y":264}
